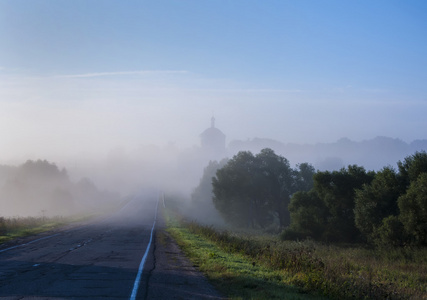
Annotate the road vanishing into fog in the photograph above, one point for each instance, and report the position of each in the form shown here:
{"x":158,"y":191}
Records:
{"x":116,"y":257}
{"x":93,"y":261}
{"x":100,"y":260}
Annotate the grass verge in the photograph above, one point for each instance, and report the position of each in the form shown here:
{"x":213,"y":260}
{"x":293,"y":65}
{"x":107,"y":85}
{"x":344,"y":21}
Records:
{"x":15,"y":227}
{"x":12,"y":228}
{"x":260,"y":267}
{"x":234,"y":274}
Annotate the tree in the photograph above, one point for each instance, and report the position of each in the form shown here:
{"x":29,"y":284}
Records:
{"x":235,"y":193}
{"x":308,"y":215}
{"x":337,"y":190}
{"x":413,"y":210}
{"x":278,"y":182}
{"x":305,"y":173}
{"x":251,"y":190}
{"x":37,"y":185}
{"x":377,"y":200}
{"x":411,"y":167}
{"x":202,"y":194}
{"x":388,"y":208}
{"x":42,"y":170}
{"x":41,"y":186}
{"x":390,"y":233}
{"x":202,"y":206}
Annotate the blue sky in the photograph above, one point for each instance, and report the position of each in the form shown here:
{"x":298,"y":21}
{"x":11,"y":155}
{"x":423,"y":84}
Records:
{"x":80,"y":76}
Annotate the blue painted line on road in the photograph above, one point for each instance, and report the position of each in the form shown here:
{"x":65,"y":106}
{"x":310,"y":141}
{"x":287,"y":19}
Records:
{"x":21,"y":245}
{"x":144,"y":258}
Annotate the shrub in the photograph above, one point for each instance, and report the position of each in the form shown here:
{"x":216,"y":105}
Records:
{"x":291,"y":234}
{"x":3,"y":229}
{"x":390,"y":233}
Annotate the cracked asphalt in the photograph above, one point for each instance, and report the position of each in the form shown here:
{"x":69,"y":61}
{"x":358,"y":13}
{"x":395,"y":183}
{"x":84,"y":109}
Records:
{"x":100,"y":260}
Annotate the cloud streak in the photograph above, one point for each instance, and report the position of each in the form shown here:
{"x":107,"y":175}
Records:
{"x":122,"y":73}
{"x":242,"y":90}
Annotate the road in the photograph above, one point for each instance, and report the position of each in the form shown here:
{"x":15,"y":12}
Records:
{"x":99,"y":260}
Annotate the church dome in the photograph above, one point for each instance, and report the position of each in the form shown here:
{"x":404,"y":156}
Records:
{"x":213,"y":139}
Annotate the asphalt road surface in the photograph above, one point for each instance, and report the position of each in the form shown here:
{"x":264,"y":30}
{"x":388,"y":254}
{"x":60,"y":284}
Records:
{"x":101,"y":260}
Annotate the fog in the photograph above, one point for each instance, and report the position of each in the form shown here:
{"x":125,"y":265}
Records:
{"x":125,"y":133}
{"x":119,"y":92}
{"x":88,"y":183}
{"x":94,"y":185}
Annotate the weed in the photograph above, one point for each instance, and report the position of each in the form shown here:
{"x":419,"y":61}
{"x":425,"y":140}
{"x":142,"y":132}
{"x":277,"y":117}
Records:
{"x":333,"y":271}
{"x":11,"y":228}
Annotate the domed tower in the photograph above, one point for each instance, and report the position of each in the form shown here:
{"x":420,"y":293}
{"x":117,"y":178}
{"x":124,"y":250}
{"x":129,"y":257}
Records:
{"x":213,"y":140}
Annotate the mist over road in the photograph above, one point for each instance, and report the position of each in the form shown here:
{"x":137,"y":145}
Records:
{"x":94,"y":261}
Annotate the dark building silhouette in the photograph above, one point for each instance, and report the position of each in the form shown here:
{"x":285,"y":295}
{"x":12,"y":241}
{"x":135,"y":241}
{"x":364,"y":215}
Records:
{"x":213,"y":141}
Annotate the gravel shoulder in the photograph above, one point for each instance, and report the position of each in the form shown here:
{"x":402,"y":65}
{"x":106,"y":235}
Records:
{"x":172,"y":275}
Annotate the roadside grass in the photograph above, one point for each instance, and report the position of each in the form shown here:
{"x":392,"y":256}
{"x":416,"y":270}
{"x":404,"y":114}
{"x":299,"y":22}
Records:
{"x":234,"y":274}
{"x":252,"y":266}
{"x":388,"y":273}
{"x":11,"y":228}
{"x":15,"y":227}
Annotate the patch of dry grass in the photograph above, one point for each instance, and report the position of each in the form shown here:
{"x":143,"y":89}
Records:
{"x":14,"y":227}
{"x":335,"y":271}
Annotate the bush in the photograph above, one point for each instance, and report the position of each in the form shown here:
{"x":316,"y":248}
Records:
{"x":291,"y":234}
{"x":390,"y":233}
{"x":413,"y":210}
{"x":3,"y":229}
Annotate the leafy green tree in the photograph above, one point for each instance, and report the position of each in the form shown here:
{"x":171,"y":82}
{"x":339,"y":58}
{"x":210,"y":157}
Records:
{"x":413,"y":210}
{"x":377,"y":200}
{"x":236,"y":195}
{"x":337,"y":191}
{"x":413,"y":203}
{"x":388,"y":208}
{"x":305,"y":173}
{"x":277,"y":181}
{"x":411,"y":167}
{"x":251,"y":190}
{"x":390,"y":233}
{"x":308,"y":215}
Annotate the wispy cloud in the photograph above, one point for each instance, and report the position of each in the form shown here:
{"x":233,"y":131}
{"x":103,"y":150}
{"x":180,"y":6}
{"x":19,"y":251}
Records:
{"x":123,"y":73}
{"x":242,"y":90}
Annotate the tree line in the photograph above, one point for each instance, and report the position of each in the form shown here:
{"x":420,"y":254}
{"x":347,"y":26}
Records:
{"x":388,"y":207}
{"x":40,"y":187}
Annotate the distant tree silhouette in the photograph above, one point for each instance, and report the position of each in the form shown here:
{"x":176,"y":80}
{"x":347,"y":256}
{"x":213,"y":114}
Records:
{"x":202,"y":207}
{"x":41,"y":187}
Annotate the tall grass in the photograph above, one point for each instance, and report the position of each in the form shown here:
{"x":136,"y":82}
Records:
{"x":21,"y":226}
{"x":334,"y":271}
